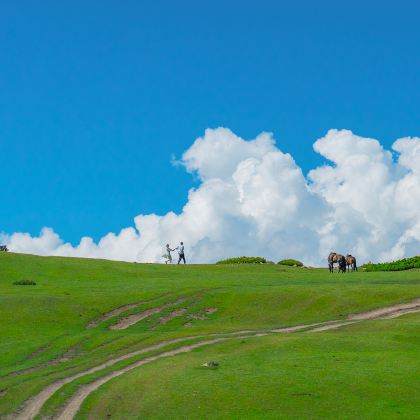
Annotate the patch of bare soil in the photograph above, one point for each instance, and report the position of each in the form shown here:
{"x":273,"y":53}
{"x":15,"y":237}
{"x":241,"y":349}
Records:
{"x":120,"y":309}
{"x":210,"y":310}
{"x":202,"y":315}
{"x":129,"y":320}
{"x":164,"y":319}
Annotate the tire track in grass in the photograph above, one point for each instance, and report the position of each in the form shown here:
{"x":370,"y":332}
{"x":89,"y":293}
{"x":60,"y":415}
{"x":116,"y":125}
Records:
{"x":377,"y":313}
{"x":388,"y":312}
{"x":120,"y":309}
{"x":74,"y":403}
{"x":71,"y":353}
{"x":32,"y":406}
{"x":130,"y":320}
{"x":400,"y":313}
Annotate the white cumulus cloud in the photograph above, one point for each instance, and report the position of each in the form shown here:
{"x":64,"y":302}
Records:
{"x":253,"y":199}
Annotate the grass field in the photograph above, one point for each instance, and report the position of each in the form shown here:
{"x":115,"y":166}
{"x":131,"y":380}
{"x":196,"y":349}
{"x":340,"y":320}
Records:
{"x":56,"y":338}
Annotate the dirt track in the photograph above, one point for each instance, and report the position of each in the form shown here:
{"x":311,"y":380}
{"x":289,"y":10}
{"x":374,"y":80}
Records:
{"x":377,"y":313}
{"x":120,"y":309}
{"x":33,"y":406}
{"x":130,"y":320}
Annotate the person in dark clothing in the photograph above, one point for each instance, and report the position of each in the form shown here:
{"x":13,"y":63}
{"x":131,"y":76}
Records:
{"x":181,"y":254}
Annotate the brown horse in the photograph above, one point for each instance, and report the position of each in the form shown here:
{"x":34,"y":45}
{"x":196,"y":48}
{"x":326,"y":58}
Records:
{"x":332,"y":258}
{"x":336,"y":258}
{"x":351,"y":262}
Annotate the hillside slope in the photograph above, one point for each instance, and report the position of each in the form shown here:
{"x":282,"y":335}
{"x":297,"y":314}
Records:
{"x":86,"y":320}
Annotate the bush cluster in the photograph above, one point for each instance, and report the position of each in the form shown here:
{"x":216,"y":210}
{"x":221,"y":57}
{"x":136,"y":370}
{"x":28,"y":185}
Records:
{"x":291,"y":262}
{"x":25,"y":283}
{"x":399,"y":265}
{"x":243,"y":260}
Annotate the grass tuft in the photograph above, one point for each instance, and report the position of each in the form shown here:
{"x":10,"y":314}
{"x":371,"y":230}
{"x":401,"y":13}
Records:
{"x":24,"y":283}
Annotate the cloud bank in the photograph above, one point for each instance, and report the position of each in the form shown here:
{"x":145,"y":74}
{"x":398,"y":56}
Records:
{"x":253,"y":199}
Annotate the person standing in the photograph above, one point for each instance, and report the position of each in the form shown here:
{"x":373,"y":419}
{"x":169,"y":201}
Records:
{"x":181,"y":254}
{"x":168,"y":256}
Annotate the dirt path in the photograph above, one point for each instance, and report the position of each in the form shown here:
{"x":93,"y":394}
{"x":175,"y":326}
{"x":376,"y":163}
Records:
{"x":388,"y":312}
{"x":33,"y":406}
{"x":330,"y":326}
{"x":400,"y":313}
{"x":74,"y":403}
{"x":377,"y":313}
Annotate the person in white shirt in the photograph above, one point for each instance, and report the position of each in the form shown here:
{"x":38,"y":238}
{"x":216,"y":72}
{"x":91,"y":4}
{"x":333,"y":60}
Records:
{"x":168,"y":256}
{"x":181,"y":254}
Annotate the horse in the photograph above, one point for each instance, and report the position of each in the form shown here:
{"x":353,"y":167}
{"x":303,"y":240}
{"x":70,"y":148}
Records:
{"x":3,"y":248}
{"x":336,"y":258}
{"x":341,"y":263}
{"x":331,"y":260}
{"x":351,"y":262}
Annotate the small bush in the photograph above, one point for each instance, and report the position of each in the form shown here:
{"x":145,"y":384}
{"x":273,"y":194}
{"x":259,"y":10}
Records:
{"x":243,"y":260}
{"x":291,"y":263}
{"x":25,"y":283}
{"x":399,"y":265}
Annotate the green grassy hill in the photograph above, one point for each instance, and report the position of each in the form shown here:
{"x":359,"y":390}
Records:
{"x":86,"y":321}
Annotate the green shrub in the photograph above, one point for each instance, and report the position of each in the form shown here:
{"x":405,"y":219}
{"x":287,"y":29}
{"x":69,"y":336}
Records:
{"x":243,"y":260}
{"x":399,"y":265}
{"x":25,"y":283}
{"x":291,"y":262}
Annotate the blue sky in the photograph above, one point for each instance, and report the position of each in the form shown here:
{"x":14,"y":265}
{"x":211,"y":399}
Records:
{"x":95,"y":97}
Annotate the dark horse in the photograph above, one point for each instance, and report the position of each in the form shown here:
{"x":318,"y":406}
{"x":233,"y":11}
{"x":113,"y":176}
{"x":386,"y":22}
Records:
{"x":3,"y":248}
{"x":351,"y":262}
{"x":336,"y":258}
